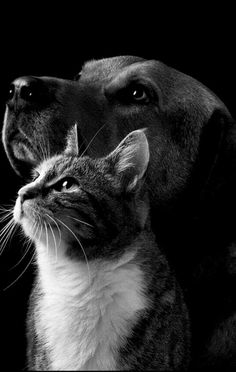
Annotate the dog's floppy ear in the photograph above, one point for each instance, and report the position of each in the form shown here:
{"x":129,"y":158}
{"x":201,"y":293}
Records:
{"x":72,"y":143}
{"x":130,"y":158}
{"x":215,"y":171}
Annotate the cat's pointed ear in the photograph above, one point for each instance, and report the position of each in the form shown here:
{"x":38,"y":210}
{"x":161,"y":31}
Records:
{"x":131,"y":158}
{"x":72,"y":143}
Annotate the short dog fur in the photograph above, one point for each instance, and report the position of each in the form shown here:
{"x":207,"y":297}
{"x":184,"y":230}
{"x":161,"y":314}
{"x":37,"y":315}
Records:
{"x":191,"y":176}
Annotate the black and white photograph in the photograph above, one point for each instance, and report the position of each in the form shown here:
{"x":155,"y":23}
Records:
{"x":117,"y":197}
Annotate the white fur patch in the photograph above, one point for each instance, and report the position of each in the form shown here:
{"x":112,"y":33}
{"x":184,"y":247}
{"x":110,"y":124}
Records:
{"x":83,"y":317}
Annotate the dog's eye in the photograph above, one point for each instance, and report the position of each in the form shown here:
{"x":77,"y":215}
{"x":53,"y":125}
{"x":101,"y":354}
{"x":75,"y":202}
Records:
{"x":66,"y":184}
{"x":138,"y":93}
{"x":11,"y":92}
{"x":133,"y":94}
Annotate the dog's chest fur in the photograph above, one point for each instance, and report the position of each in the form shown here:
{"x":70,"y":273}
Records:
{"x":82,"y":326}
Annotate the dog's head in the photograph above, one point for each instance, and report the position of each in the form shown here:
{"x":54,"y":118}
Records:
{"x":187,"y":124}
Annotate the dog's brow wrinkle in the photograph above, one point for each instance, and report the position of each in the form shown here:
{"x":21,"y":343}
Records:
{"x":103,"y":67}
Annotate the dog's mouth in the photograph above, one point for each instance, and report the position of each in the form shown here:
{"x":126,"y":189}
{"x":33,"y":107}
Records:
{"x":23,"y":152}
{"x":21,"y":155}
{"x":24,"y":157}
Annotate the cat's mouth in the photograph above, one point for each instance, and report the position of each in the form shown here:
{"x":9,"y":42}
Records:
{"x":37,"y":225}
{"x":23,"y":215}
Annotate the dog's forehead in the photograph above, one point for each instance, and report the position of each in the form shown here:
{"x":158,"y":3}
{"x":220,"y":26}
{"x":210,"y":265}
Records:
{"x":107,"y":66}
{"x":98,"y":70}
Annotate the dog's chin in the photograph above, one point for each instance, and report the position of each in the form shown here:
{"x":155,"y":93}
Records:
{"x":21,"y":158}
{"x":22,"y":152}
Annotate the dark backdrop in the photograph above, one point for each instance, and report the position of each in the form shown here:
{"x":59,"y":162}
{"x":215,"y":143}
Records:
{"x":208,"y":56}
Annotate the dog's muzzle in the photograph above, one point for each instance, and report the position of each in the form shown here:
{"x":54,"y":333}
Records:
{"x":26,"y":91}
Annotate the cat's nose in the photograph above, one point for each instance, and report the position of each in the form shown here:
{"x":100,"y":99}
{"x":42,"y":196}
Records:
{"x":25,"y":91}
{"x":26,"y":193}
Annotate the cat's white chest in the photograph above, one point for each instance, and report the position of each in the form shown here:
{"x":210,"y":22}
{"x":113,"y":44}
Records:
{"x":84,"y":325}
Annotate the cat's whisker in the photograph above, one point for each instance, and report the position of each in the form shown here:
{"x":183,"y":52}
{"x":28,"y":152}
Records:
{"x":46,"y":147}
{"x":41,"y":149}
{"x":92,"y":139}
{"x":37,"y":144}
{"x":3,"y":208}
{"x":5,"y":240}
{"x":29,"y":243}
{"x":80,"y":221}
{"x":58,"y":228}
{"x":6,"y":217}
{"x":39,"y":219}
{"x":5,"y":228}
{"x":54,"y":238}
{"x":41,"y":231}
{"x":46,"y":233}
{"x":11,"y":233}
{"x":6,"y":233}
{"x":42,"y":156}
{"x":85,"y":256}
{"x":29,"y":263}
{"x":4,"y":211}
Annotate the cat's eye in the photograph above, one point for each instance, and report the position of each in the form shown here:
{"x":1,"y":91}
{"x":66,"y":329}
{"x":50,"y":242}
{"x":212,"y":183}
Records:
{"x":35,"y":176}
{"x":66,"y":184}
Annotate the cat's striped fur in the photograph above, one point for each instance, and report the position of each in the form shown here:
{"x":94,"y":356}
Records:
{"x":105,"y":297}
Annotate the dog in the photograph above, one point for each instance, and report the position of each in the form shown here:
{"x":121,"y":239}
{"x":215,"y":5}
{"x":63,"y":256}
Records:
{"x":191,"y":175}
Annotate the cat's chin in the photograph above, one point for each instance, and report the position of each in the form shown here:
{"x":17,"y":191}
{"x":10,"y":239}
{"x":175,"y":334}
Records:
{"x":45,"y":238}
{"x":28,"y":227}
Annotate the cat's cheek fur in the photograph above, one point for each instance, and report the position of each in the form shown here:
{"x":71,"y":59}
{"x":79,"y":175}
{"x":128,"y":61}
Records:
{"x":86,"y":314}
{"x":17,"y":211}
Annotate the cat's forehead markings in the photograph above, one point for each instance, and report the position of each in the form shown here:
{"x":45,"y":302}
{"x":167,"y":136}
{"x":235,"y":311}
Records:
{"x":48,"y":169}
{"x":52,"y":169}
{"x":46,"y":166}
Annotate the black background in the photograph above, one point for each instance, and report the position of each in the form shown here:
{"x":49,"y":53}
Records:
{"x":58,"y":47}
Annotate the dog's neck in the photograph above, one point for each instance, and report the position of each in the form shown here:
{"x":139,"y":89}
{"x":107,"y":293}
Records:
{"x":86,"y":311}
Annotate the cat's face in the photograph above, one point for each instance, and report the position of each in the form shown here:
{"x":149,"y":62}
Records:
{"x":77,"y":203}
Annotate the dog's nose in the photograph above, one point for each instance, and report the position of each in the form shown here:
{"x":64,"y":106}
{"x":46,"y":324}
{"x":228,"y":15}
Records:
{"x":25,"y":90}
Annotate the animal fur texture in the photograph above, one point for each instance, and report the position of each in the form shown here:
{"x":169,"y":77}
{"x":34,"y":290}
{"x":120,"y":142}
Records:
{"x":191,"y":175}
{"x":105,"y":297}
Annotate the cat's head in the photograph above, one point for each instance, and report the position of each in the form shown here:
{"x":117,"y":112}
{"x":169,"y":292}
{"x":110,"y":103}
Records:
{"x":97,"y":204}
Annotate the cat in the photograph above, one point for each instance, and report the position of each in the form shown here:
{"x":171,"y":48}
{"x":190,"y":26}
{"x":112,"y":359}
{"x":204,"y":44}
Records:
{"x":104,"y":297}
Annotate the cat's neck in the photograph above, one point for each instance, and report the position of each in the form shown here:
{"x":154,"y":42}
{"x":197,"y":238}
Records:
{"x":88,"y":308}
